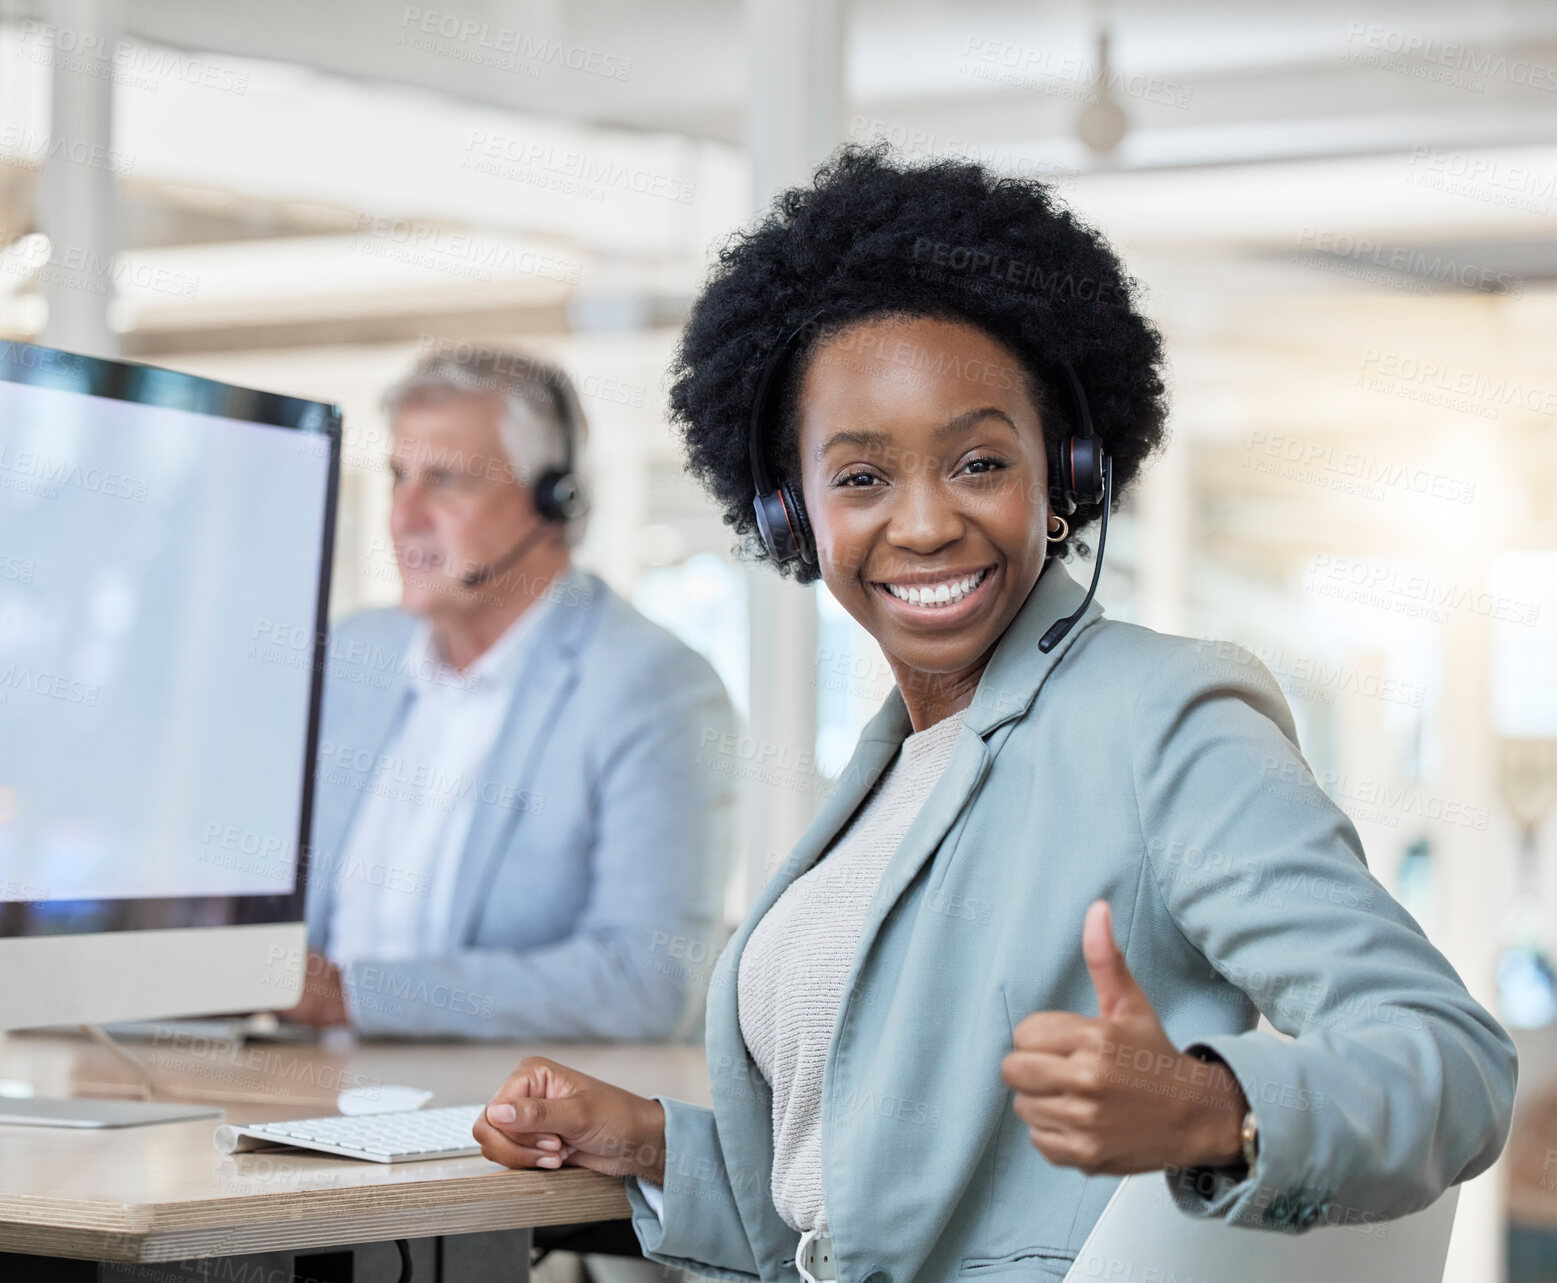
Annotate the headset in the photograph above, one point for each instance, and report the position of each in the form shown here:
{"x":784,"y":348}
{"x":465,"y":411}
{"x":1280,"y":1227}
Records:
{"x":1080,"y":471}
{"x":557,"y":495}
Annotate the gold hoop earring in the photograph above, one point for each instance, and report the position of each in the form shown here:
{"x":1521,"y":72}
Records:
{"x":1064,"y":528}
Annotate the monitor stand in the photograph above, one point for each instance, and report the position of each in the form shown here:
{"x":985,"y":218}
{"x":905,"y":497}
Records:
{"x":92,"y":1111}
{"x":35,"y":1111}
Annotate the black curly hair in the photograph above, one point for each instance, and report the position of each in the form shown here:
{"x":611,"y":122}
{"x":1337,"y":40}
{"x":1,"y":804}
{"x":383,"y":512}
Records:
{"x":871,"y":238}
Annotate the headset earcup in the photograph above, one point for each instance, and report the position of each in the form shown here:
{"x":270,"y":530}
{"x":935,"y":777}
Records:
{"x":557,"y":496}
{"x":773,"y":526}
{"x":544,"y":494}
{"x":800,"y":523}
{"x":1084,"y":469}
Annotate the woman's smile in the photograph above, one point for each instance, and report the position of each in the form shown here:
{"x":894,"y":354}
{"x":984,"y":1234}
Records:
{"x":938,"y":599}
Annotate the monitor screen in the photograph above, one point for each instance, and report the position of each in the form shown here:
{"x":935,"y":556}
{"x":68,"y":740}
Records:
{"x":164,"y":558}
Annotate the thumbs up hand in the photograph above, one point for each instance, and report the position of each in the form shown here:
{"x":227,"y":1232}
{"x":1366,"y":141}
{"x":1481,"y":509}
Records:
{"x":1112,"y":1094}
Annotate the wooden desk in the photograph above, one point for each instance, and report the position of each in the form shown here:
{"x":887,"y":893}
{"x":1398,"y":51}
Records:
{"x":163,"y":1193}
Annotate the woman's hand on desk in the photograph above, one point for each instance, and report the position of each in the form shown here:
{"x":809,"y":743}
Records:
{"x":1113,"y":1094}
{"x":547,"y":1115}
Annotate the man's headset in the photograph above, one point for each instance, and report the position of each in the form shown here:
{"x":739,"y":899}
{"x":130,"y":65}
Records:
{"x":557,"y":495}
{"x":1080,"y":471}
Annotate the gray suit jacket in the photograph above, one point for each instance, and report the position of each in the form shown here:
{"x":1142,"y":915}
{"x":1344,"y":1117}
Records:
{"x":1162,"y":774}
{"x":590,"y":891}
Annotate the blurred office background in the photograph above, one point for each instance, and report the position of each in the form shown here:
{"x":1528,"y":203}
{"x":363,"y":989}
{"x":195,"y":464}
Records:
{"x":1342,"y":214}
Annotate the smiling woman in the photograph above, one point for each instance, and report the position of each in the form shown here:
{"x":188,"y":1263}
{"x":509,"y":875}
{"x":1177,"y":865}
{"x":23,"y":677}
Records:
{"x":871,"y":241}
{"x":930,"y":1055}
{"x":915,"y":324}
{"x":927,"y":496}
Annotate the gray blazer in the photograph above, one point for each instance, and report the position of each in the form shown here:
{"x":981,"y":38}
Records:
{"x":590,"y":891}
{"x":1162,"y":774}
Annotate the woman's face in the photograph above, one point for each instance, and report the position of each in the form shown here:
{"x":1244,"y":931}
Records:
{"x":925,"y":478}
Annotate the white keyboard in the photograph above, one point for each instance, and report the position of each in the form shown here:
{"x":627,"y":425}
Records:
{"x":397,"y":1137}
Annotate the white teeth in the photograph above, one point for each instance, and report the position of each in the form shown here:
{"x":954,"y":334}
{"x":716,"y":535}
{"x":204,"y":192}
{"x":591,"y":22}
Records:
{"x":946,"y":594}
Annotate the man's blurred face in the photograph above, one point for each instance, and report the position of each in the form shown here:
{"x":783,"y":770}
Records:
{"x":457,"y":502}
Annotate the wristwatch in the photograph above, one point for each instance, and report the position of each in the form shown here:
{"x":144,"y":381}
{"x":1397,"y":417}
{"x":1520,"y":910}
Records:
{"x":1251,"y":1140}
{"x":1249,"y":1133}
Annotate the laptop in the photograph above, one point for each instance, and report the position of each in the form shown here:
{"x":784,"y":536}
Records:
{"x":1143,"y":1234}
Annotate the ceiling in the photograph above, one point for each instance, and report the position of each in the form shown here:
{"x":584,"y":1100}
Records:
{"x":1204,"y":81}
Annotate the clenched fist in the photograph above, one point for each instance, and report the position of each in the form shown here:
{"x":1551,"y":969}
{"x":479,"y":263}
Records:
{"x":547,"y":1115}
{"x":1112,"y":1094}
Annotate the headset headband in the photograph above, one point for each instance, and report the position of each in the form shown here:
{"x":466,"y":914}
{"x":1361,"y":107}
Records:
{"x":759,"y":467}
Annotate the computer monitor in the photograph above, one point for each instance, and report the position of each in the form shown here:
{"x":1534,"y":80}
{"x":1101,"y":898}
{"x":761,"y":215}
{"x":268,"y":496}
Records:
{"x":165,"y":549}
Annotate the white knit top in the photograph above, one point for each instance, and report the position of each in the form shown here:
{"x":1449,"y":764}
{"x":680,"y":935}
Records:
{"x":797,"y":960}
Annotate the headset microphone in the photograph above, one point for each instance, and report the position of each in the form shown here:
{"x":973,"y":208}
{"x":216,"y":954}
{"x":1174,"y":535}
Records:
{"x":481,"y":574}
{"x":1057,"y":630}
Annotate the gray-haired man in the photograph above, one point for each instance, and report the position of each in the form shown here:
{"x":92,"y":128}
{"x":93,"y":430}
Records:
{"x":517,"y":830}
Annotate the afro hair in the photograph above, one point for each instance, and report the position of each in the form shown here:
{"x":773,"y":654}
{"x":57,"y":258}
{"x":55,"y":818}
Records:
{"x":872,"y":237}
